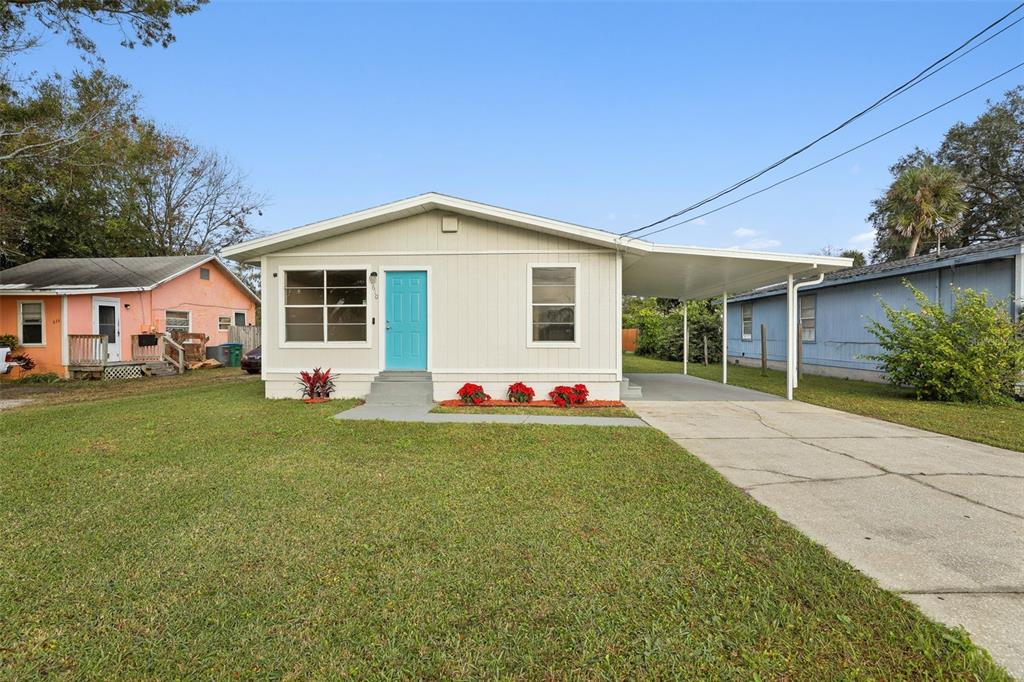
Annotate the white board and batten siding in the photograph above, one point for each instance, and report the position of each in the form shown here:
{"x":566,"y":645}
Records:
{"x":477,"y":309}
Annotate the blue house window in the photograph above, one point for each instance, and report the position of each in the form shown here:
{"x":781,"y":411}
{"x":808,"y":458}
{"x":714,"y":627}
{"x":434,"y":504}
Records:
{"x":747,"y":318}
{"x":808,"y":315}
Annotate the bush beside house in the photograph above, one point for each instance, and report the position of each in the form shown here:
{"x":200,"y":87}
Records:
{"x":973,"y":353}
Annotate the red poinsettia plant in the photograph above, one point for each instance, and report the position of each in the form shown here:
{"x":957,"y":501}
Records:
{"x":316,"y":386}
{"x":473,"y":394}
{"x":520,"y":393}
{"x":567,"y":396}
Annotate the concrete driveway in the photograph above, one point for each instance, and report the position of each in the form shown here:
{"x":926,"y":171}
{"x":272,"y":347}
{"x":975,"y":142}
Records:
{"x":936,"y":519}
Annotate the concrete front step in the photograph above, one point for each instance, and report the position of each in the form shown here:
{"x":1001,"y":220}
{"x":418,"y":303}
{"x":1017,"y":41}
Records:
{"x":401,"y":388}
{"x":630,"y":392}
{"x":391,"y":375}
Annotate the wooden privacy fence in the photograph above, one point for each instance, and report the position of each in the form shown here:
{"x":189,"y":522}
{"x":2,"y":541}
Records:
{"x":629,"y":338}
{"x":248,"y":336}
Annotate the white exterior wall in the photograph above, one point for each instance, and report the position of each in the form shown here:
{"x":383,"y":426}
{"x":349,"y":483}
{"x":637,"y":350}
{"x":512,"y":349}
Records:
{"x":477,"y":308}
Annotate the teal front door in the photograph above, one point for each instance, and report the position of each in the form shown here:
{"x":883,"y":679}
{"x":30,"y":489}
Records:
{"x":405,"y":335}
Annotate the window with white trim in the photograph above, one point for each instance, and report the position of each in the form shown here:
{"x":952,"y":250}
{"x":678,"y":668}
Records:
{"x":177,"y":321}
{"x":553,"y":304}
{"x":30,"y":323}
{"x":239,"y":319}
{"x":325,"y":306}
{"x":204,"y":273}
{"x":747,"y":320}
{"x":808,"y":315}
{"x":224,"y":322}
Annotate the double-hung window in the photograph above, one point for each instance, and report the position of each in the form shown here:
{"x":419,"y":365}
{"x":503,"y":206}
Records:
{"x":553,"y":304}
{"x":325,"y":306}
{"x":747,"y":318}
{"x":224,"y":323}
{"x":177,"y":321}
{"x":30,"y":323}
{"x":808,"y":313}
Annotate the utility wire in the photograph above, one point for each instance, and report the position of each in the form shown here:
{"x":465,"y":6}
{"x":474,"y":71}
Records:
{"x":924,"y":74}
{"x":831,"y":159}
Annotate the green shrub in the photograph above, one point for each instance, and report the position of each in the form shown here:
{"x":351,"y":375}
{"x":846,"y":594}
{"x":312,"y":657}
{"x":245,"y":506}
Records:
{"x":9,"y":341}
{"x":974,"y":353}
{"x":661,"y":334}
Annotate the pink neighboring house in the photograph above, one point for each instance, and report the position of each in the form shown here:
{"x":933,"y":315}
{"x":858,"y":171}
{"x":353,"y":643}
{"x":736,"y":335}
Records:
{"x":44,"y":302}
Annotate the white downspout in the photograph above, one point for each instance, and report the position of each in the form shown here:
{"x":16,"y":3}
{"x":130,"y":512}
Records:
{"x":725,"y":337}
{"x":1018,"y":294}
{"x":686,"y":338}
{"x":796,"y":297}
{"x":790,"y":328}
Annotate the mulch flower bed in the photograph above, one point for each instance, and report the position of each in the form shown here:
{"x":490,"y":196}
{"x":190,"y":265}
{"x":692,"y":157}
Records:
{"x":535,"y":403}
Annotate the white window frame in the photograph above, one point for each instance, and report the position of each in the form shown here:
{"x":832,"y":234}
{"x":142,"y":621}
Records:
{"x":575,"y":343}
{"x":747,"y":317}
{"x":245,"y":318}
{"x":42,"y":324}
{"x":188,"y":315}
{"x":801,"y":318}
{"x":229,"y":319}
{"x":282,"y":276}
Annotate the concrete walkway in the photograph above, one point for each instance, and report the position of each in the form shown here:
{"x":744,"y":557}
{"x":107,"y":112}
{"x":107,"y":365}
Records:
{"x":683,"y":387}
{"x":422,"y":413}
{"x":936,"y":519}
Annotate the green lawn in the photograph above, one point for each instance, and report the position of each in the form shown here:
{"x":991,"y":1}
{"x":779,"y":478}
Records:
{"x":203,"y":531}
{"x":998,"y":425}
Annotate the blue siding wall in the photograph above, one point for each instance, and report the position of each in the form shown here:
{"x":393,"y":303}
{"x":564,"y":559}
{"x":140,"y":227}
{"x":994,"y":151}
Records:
{"x":843,"y":312}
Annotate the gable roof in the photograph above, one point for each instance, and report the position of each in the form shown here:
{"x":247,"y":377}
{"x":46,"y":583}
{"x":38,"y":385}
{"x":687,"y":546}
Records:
{"x":668,"y":270}
{"x":83,"y":275}
{"x":975,"y":253}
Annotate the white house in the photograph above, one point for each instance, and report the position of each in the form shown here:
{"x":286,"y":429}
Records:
{"x":473,"y":293}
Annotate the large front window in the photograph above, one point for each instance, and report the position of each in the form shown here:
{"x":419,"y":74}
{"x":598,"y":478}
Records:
{"x":553,"y":304}
{"x":325,"y":305}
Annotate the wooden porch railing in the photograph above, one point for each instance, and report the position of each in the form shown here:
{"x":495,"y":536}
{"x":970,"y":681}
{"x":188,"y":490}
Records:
{"x":174,"y":353}
{"x":149,"y":353}
{"x":87,"y":350}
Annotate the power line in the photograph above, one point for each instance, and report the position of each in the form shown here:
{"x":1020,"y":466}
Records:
{"x":833,"y":158}
{"x":921,"y":76}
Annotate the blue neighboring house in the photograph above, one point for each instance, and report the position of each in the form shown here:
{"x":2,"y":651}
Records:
{"x":835,"y":313}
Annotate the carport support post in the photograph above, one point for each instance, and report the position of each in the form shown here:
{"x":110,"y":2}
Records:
{"x":790,"y":347}
{"x":686,"y":338}
{"x":725,"y":337}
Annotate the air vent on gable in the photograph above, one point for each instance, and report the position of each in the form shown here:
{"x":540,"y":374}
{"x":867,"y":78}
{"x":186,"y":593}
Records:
{"x":450,"y":223}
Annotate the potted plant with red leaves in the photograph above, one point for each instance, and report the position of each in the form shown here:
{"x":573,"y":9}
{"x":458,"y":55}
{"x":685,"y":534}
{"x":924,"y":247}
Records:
{"x":472,"y":394}
{"x":520,"y":393}
{"x":567,"y":396}
{"x":316,"y":386}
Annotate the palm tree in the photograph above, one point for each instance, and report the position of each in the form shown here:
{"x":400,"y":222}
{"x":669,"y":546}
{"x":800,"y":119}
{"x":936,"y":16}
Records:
{"x":925,"y":200}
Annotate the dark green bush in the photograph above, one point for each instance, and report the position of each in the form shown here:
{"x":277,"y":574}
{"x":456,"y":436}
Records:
{"x":661,"y":334}
{"x":974,"y":353}
{"x":9,"y":341}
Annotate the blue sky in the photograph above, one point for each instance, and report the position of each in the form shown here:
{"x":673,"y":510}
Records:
{"x":607,"y":115}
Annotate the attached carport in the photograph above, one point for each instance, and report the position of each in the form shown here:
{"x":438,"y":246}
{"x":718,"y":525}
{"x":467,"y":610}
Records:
{"x":693,"y":273}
